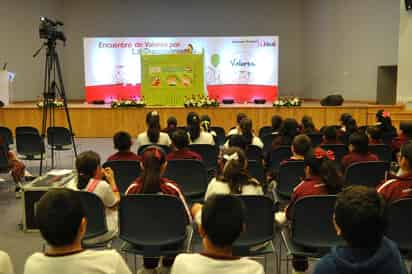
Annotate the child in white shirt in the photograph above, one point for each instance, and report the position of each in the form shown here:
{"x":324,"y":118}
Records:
{"x":62,"y":224}
{"x":222,"y":222}
{"x":6,"y":266}
{"x":153,"y":134}
{"x":196,"y":135}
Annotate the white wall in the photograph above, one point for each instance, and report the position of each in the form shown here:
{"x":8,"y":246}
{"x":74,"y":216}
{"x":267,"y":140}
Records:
{"x":19,"y":22}
{"x":345,"y":42}
{"x":325,"y":45}
{"x":404,"y":93}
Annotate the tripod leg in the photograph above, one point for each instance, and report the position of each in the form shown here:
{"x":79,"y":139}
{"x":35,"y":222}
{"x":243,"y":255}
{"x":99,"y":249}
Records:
{"x":63,"y":96}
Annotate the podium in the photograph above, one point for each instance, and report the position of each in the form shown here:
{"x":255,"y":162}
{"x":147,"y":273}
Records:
{"x":169,"y":77}
{"x":5,"y":86}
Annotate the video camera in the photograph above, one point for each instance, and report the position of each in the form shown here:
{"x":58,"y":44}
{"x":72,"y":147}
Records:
{"x":49,"y":30}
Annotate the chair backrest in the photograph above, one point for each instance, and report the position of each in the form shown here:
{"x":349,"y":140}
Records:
{"x":259,"y":220}
{"x":7,"y":135}
{"x":209,"y":154}
{"x":58,"y":137}
{"x":95,"y":214}
{"x":256,"y":170}
{"x":29,"y":144}
{"x":190,"y":175}
{"x":4,"y":160}
{"x":290,"y":175}
{"x":399,"y":225}
{"x":339,"y":150}
{"x":312,"y":224}
{"x":263,"y":131}
{"x":220,"y":135}
{"x":315,"y":138}
{"x":141,"y":149}
{"x":151,"y":221}
{"x":27,"y":129}
{"x":267,"y":141}
{"x":384,"y":152}
{"x":254,"y":153}
{"x":367,"y":173}
{"x":125,"y":172}
{"x":278,"y":155}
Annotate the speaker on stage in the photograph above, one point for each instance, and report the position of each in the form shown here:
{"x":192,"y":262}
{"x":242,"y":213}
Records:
{"x":332,"y":100}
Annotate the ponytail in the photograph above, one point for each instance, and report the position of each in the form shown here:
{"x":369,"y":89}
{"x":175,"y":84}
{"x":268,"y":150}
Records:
{"x":234,"y":171}
{"x":153,"y":159}
{"x":193,"y":124}
{"x":321,"y":163}
{"x":153,"y":124}
{"x":86,"y":164}
{"x":205,"y":122}
{"x":246,"y":129}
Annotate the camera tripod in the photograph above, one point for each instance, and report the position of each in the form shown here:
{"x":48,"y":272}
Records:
{"x":50,"y":90}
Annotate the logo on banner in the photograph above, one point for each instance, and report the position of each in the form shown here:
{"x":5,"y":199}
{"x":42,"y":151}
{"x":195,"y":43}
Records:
{"x":266,"y":43}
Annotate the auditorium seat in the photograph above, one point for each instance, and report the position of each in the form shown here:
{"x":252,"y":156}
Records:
{"x":7,"y":136}
{"x":263,"y":131}
{"x":367,"y":173}
{"x":125,"y":172}
{"x":220,"y":135}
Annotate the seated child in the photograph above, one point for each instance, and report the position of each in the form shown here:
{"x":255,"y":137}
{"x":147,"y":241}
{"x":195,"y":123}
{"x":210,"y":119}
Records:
{"x":151,"y":181}
{"x":123,"y":142}
{"x":6,"y":266}
{"x":62,"y":224}
{"x":180,"y":141}
{"x":360,"y":220}
{"x":330,"y":136}
{"x":400,"y":186}
{"x":358,"y":150}
{"x":222,"y":222}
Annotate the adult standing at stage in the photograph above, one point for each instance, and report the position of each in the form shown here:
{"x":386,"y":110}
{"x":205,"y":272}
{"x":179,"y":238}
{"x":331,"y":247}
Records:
{"x":153,"y":135}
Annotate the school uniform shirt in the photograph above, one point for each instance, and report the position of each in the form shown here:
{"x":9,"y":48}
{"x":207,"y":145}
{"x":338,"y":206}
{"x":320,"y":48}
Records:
{"x":346,"y":260}
{"x":331,"y":142}
{"x":218,"y":187}
{"x":183,"y":154}
{"x":204,"y":138}
{"x":143,"y":139}
{"x":86,"y":261}
{"x":104,"y":191}
{"x":234,"y":131}
{"x":206,"y":264}
{"x":375,"y":142}
{"x":6,"y":266}
{"x":167,"y":187}
{"x":124,"y":156}
{"x":354,"y":157}
{"x":397,"y":188}
{"x":255,"y":141}
{"x":308,"y":187}
{"x":397,"y":142}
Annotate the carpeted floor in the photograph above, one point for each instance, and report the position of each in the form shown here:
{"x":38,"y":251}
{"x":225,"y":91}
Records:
{"x":20,"y":245}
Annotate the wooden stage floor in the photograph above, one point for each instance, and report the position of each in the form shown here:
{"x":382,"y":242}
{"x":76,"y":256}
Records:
{"x":103,"y":121}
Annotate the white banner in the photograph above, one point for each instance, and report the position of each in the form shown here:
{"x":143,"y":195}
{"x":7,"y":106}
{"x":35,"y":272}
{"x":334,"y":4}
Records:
{"x":228,"y":60}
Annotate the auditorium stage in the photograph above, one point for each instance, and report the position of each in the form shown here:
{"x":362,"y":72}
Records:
{"x":103,"y":121}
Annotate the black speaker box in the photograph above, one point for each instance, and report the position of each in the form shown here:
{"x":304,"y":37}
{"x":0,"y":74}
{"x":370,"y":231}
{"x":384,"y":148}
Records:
{"x":228,"y":101}
{"x":98,"y":102}
{"x":259,"y":101}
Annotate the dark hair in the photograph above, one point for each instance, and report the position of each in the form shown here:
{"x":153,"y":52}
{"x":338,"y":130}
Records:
{"x":360,"y":142}
{"x":235,"y":172}
{"x":171,"y":122}
{"x":239,"y":141}
{"x":153,"y":159}
{"x":193,"y":124}
{"x":301,"y":144}
{"x":276,"y":122}
{"x":330,"y":133}
{"x":223,"y":217}
{"x":289,"y":130}
{"x":153,"y":126}
{"x":406,"y":151}
{"x":374,"y":132}
{"x":86,"y":164}
{"x":122,"y":141}
{"x":205,"y":122}
{"x":240,"y":116}
{"x":180,"y":139}
{"x":327,"y":170}
{"x":360,"y":214}
{"x":59,"y":213}
{"x":385,"y":121}
{"x":246,"y":129}
{"x":344,"y":117}
{"x":406,"y":128}
{"x":308,"y":125}
{"x":351,"y":126}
